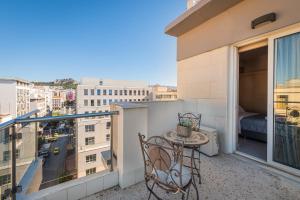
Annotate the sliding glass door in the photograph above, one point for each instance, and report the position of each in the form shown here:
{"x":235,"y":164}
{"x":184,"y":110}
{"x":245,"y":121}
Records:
{"x":286,"y":101}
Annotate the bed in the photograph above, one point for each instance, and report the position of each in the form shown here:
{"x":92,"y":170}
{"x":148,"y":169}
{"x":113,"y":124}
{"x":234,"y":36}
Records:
{"x":253,"y":125}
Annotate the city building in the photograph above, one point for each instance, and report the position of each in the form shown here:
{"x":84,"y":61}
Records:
{"x":38,"y":100}
{"x":48,"y":97}
{"x":58,"y":98}
{"x":163,"y":93}
{"x":16,"y":100}
{"x":93,"y":135}
{"x":25,"y":153}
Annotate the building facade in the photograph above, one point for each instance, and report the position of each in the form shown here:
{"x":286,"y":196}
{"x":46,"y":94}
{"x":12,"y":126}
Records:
{"x":93,"y":135}
{"x":58,"y":98}
{"x":163,"y":93}
{"x":16,"y":100}
{"x":38,"y":100}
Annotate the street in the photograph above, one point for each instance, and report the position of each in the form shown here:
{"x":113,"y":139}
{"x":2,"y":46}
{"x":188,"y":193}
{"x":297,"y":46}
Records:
{"x":55,"y":164}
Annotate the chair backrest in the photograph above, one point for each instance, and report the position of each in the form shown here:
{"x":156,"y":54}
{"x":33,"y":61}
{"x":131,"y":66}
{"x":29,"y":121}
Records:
{"x":194,"y":118}
{"x":159,"y":155}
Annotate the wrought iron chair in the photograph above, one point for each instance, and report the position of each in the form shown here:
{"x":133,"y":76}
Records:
{"x":196,"y":121}
{"x":194,"y":118}
{"x":164,"y":167}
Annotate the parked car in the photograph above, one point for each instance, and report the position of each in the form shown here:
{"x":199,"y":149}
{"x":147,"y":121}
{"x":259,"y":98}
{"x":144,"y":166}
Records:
{"x":44,"y":153}
{"x":56,"y":151}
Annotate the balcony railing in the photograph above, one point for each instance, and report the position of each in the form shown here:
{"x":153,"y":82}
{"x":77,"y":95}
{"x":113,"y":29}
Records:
{"x":25,"y":149}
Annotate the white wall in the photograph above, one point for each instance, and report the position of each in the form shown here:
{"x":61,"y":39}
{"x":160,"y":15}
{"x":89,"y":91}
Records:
{"x":132,"y":119}
{"x":203,"y":85}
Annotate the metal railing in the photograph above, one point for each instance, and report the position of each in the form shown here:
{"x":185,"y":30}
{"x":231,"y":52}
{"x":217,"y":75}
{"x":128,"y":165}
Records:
{"x":27,"y":119}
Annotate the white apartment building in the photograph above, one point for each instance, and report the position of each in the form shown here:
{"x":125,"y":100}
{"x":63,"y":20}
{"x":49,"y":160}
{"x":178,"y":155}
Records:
{"x":38,"y":100}
{"x":48,"y":97}
{"x":93,"y":135}
{"x":163,"y":93}
{"x":16,"y":100}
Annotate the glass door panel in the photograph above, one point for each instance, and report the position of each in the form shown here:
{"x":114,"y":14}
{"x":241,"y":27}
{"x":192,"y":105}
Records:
{"x":286,"y":103}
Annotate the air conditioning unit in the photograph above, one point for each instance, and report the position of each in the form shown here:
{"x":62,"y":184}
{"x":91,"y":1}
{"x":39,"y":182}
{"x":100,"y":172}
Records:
{"x":212,"y":147}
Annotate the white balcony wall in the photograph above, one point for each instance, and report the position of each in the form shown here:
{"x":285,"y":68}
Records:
{"x":76,"y":189}
{"x":162,"y":116}
{"x":131,"y":120}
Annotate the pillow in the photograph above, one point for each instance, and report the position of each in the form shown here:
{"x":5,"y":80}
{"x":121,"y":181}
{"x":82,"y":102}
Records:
{"x":241,"y":109}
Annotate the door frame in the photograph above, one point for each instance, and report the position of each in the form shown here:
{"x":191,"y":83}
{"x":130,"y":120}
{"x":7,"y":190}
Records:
{"x":233,"y":92}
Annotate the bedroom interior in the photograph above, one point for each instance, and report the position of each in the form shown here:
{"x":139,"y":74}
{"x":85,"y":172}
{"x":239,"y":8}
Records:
{"x":253,"y":70}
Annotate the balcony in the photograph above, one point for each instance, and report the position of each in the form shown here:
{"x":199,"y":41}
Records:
{"x":223,"y":176}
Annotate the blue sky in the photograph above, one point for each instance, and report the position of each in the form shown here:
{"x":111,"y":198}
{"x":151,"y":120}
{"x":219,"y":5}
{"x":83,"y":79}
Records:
{"x":120,"y":39}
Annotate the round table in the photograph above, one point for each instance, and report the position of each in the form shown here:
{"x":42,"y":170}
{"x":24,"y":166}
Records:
{"x":193,"y":142}
{"x":196,"y":139}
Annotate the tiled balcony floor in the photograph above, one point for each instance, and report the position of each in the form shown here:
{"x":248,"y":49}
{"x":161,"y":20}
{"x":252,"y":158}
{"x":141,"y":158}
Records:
{"x":223,"y":177}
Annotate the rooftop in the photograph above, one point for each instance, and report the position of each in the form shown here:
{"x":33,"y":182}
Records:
{"x":223,"y":177}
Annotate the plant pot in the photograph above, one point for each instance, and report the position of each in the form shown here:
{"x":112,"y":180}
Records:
{"x":183,"y":131}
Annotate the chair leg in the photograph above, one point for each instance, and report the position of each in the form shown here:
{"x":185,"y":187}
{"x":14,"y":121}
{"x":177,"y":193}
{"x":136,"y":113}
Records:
{"x":152,"y":192}
{"x":183,"y":195}
{"x":195,"y":186}
{"x":188,"y":193}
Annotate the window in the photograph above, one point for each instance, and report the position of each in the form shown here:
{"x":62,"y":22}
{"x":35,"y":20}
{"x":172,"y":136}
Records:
{"x":98,"y":92}
{"x":104,"y":101}
{"x":100,"y":82}
{"x":90,"y":128}
{"x":143,"y":92}
{"x":6,"y":136}
{"x":139,"y":92}
{"x":90,"y":158}
{"x":6,"y":155}
{"x":116,"y":92}
{"x":147,"y":92}
{"x":5,"y":179}
{"x":130,"y":92}
{"x":92,"y":102}
{"x":104,"y":92}
{"x":107,"y":125}
{"x":17,"y":153}
{"x":121,"y":100}
{"x":110,"y":101}
{"x":134,"y":92}
{"x":121,"y":92}
{"x":90,"y":171}
{"x":92,"y":92}
{"x":130,"y":100}
{"x":282,"y":101}
{"x":86,"y":103}
{"x":107,"y":137}
{"x":110,"y":92}
{"x":125,"y":92}
{"x":89,"y":140}
{"x":98,"y":102}
{"x":139,"y":99}
{"x":86,"y":92}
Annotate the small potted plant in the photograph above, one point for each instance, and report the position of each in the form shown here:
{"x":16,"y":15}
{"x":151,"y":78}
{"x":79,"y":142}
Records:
{"x":184,"y":128}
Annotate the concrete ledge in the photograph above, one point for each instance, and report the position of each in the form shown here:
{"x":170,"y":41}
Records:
{"x":78,"y":188}
{"x":126,"y":105}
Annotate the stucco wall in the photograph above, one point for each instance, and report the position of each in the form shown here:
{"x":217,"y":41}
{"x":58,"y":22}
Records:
{"x":203,"y":84}
{"x":203,"y":76}
{"x":234,"y":25}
